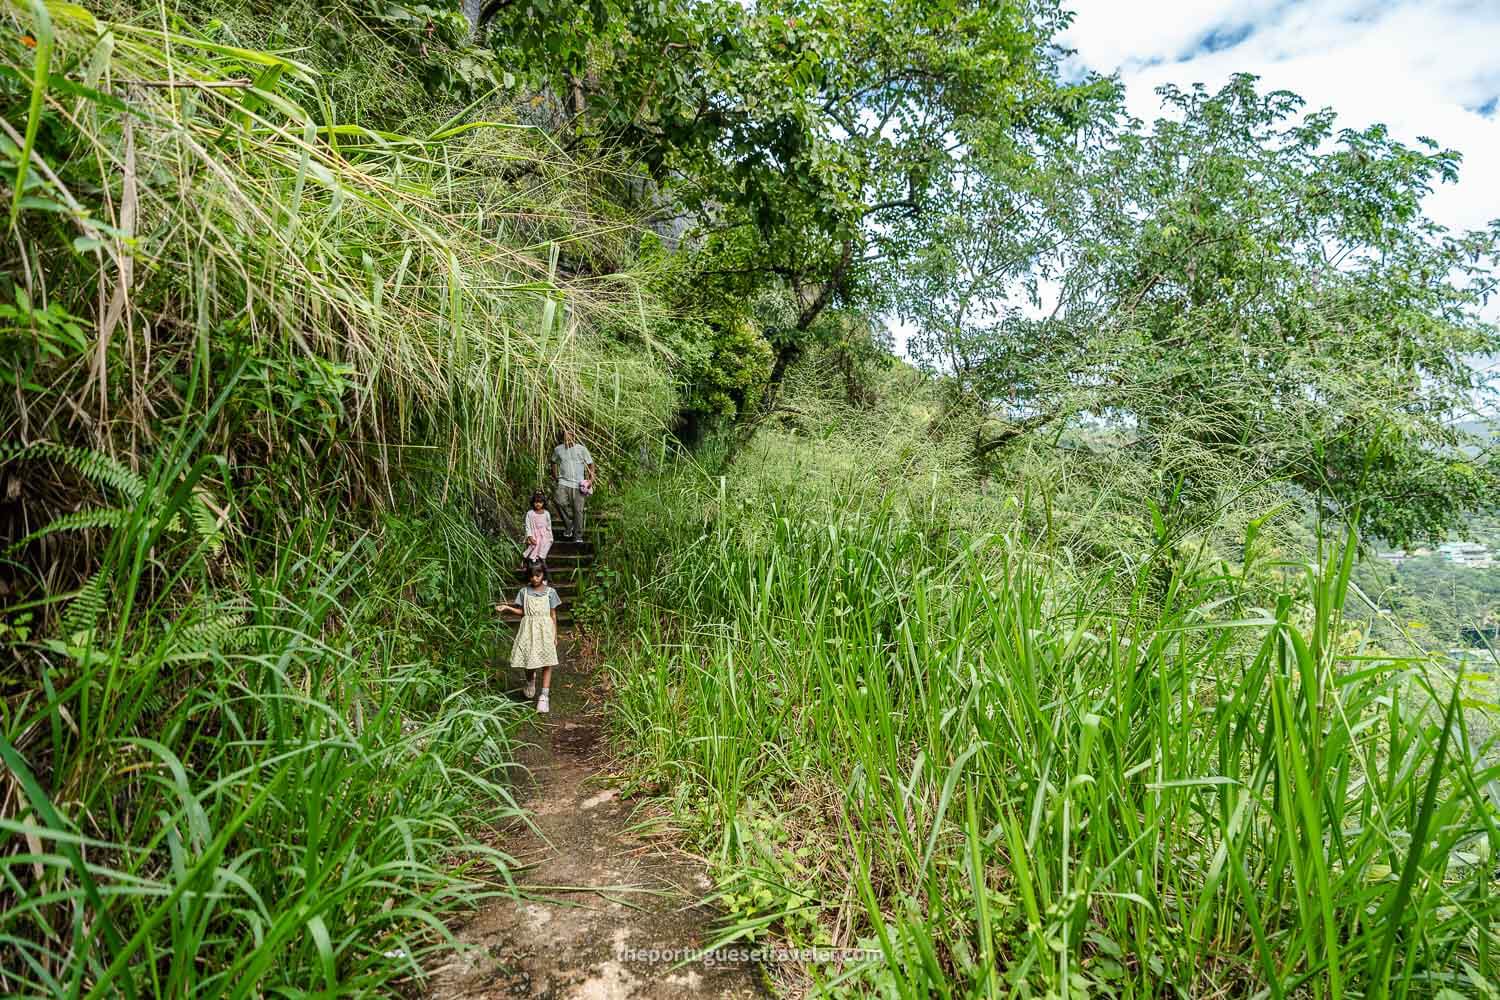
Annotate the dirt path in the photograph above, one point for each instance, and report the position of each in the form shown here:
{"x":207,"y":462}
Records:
{"x":627,"y":894}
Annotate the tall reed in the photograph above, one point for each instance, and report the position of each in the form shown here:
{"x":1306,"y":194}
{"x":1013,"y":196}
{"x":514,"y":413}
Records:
{"x":260,"y":358}
{"x":1008,"y":775}
{"x":192,"y":202}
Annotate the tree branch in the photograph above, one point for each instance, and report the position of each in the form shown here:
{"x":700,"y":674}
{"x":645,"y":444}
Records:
{"x":825,"y":293}
{"x":908,"y":203}
{"x":1011,"y":433}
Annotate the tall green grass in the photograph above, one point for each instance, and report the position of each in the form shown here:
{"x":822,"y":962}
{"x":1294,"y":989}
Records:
{"x":277,"y":782}
{"x":261,"y":359}
{"x":1013,"y":775}
{"x":191,"y":202}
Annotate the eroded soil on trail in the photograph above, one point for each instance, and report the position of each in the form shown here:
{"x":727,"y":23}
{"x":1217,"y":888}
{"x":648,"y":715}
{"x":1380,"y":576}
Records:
{"x":598,"y":893}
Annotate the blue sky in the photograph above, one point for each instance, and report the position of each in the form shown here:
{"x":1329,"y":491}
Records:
{"x":1421,"y":67}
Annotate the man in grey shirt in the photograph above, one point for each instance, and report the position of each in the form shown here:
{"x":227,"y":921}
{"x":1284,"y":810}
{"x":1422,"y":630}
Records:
{"x":571,"y":465}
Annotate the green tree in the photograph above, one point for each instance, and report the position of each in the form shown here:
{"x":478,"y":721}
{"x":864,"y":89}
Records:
{"x":1005,"y":231}
{"x":1248,"y":289}
{"x":803,"y":142}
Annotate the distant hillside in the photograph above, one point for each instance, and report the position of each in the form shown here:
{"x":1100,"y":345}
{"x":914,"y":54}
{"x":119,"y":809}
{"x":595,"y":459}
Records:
{"x":1485,"y":430}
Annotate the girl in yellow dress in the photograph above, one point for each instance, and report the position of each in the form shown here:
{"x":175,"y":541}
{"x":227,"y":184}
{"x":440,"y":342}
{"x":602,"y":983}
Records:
{"x":536,"y":640}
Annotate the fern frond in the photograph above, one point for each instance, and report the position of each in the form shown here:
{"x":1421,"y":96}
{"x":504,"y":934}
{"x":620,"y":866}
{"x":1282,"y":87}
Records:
{"x":87,"y":605}
{"x":95,"y":517}
{"x":202,"y":640}
{"x":206,"y":523}
{"x":92,"y":465}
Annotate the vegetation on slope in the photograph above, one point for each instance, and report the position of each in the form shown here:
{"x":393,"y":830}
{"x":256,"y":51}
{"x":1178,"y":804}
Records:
{"x":1010,"y":669}
{"x":902,"y":718}
{"x":261,"y":360}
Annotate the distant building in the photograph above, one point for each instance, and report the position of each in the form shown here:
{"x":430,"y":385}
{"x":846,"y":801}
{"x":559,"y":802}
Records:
{"x":1395,"y":557}
{"x":1471,"y":554}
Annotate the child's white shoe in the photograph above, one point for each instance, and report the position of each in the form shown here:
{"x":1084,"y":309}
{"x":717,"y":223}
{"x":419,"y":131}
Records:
{"x":541,"y":704}
{"x":530,"y":688}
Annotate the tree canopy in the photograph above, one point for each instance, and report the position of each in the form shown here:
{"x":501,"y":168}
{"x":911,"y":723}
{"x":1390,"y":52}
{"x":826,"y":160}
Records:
{"x":1246,"y":287}
{"x":799,"y":140}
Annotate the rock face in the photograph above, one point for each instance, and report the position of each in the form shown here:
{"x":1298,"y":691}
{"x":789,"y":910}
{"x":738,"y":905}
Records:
{"x":472,"y":10}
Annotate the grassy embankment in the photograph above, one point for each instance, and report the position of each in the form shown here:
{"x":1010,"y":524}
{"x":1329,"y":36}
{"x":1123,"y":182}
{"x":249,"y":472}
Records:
{"x":903,"y":715}
{"x":260,"y":359}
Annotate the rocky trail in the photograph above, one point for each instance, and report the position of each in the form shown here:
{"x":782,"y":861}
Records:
{"x":600,"y":894}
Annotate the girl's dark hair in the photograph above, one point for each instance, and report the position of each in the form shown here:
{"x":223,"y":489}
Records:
{"x":534,"y":567}
{"x":539,"y":495}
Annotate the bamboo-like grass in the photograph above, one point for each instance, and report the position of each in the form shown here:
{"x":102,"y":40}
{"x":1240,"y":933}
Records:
{"x":1013,"y":776}
{"x":258,"y":360}
{"x":268,"y":787}
{"x":234,"y":206}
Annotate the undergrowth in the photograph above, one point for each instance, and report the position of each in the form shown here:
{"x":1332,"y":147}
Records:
{"x":274,"y":349}
{"x":1011,"y":766}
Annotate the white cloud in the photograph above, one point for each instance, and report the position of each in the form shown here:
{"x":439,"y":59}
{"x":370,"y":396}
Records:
{"x":1421,"y":67}
{"x":1129,"y":34}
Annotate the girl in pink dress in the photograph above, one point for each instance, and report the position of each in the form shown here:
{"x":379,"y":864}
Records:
{"x":538,"y":529}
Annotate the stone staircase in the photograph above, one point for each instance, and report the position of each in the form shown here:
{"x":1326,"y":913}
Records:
{"x":566,"y":565}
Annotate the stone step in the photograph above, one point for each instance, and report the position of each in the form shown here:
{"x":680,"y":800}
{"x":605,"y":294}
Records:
{"x":565,"y":552}
{"x":556,"y":561}
{"x":563,"y":557}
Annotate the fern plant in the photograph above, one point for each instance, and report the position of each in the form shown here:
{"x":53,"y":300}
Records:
{"x":112,"y":476}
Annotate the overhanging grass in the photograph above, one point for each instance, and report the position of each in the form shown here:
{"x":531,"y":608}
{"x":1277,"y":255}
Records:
{"x":278,"y":785}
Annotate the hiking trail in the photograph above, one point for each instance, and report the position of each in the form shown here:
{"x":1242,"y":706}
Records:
{"x":595,"y":886}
